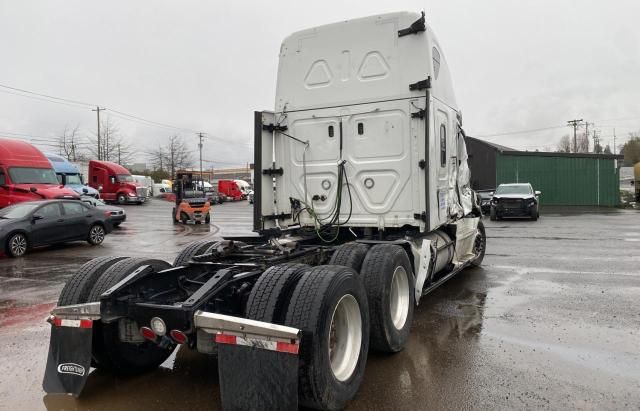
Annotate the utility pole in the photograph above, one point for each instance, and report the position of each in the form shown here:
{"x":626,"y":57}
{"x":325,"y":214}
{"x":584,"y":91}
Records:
{"x":586,"y":134}
{"x":98,"y":110}
{"x":575,"y":124}
{"x":200,"y":137}
{"x":119,"y":154}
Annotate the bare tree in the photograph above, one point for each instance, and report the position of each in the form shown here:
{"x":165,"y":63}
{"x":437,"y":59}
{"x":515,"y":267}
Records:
{"x":583,"y":143}
{"x":172,"y":156}
{"x":70,"y":144}
{"x":565,"y":144}
{"x":157,"y":159}
{"x":178,"y":155}
{"x":631,"y":149}
{"x":113,"y":145}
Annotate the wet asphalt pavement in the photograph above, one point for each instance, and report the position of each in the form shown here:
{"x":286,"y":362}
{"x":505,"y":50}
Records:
{"x":551,"y":320}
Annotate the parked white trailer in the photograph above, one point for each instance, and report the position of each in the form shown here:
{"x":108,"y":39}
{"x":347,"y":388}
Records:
{"x":363,"y":206}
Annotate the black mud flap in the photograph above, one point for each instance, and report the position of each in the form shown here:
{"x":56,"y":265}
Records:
{"x":69,"y":358}
{"x":253,"y":378}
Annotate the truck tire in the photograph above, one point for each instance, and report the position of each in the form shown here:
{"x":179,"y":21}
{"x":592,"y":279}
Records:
{"x":122,"y":199}
{"x":78,"y":287}
{"x":270,"y":295}
{"x":350,"y":255}
{"x":479,"y":246}
{"x":329,"y":305}
{"x":535,"y":214}
{"x":492,"y":214}
{"x":108,"y":351}
{"x":388,"y":279}
{"x":173,"y":216}
{"x":193,"y":249}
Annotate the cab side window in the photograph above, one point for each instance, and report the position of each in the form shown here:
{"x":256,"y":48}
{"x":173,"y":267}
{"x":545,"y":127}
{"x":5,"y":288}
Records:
{"x":50,"y":211}
{"x":3,"y":179}
{"x":443,"y":145}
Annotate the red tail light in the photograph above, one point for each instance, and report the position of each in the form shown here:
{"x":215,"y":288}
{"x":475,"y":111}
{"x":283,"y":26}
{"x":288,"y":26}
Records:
{"x":107,"y":213}
{"x":178,"y":336}
{"x":148,"y":333}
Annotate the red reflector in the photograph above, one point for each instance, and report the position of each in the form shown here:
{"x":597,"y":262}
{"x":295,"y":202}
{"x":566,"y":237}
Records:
{"x":148,"y":333}
{"x":287,"y":347}
{"x":178,"y":336}
{"x":225,"y":339}
{"x":86,"y":323}
{"x":61,"y":322}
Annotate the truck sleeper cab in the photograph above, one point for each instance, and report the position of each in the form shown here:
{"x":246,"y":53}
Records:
{"x":231,"y":189}
{"x":27,"y":175}
{"x":362,"y":207}
{"x":69,"y":175}
{"x":115,"y":183}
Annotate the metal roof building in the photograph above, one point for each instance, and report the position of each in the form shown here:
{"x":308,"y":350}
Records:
{"x":584,"y":179}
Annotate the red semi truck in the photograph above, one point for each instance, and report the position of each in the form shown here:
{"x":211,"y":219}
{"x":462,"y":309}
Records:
{"x":115,"y":183}
{"x":231,"y":189}
{"x":26,"y":175}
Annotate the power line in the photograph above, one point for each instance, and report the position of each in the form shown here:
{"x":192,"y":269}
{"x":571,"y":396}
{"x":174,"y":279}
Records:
{"x":80,"y":104}
{"x":507,"y":133}
{"x":46,"y":95}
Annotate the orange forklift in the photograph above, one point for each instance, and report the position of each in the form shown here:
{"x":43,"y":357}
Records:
{"x":191,"y":203}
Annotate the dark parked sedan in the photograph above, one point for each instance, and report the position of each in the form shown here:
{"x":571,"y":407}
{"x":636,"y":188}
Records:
{"x":39,"y":223}
{"x":117,"y":214}
{"x":515,"y":200}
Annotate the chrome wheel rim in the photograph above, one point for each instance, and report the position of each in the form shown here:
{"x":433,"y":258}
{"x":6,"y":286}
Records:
{"x":345,"y":337}
{"x":96,"y":235}
{"x":18,"y":245}
{"x":399,"y":297}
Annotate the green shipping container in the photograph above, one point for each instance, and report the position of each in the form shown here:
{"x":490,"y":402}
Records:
{"x":563,"y":179}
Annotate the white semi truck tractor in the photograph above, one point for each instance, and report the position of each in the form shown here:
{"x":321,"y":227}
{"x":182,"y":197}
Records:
{"x":362,"y":206}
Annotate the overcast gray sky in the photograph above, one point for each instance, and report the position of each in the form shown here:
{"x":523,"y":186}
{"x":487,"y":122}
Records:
{"x":207,"y":65}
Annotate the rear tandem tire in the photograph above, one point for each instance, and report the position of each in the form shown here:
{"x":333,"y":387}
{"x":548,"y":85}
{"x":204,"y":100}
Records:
{"x":350,"y":255}
{"x":193,"y":249}
{"x":329,"y":305}
{"x":388,"y":278}
{"x":108,"y":351}
{"x":270,"y":296}
{"x":78,"y":287}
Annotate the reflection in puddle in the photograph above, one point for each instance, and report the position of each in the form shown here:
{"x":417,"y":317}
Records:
{"x":441,"y":351}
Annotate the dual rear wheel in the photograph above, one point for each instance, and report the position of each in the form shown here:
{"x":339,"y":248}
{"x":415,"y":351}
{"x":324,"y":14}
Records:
{"x":343,"y":311}
{"x":108,"y":351}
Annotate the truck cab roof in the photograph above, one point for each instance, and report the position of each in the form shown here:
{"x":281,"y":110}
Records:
{"x":21,"y":154}
{"x":359,"y":61}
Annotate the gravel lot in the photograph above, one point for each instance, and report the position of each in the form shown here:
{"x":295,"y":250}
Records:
{"x":551,"y":320}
